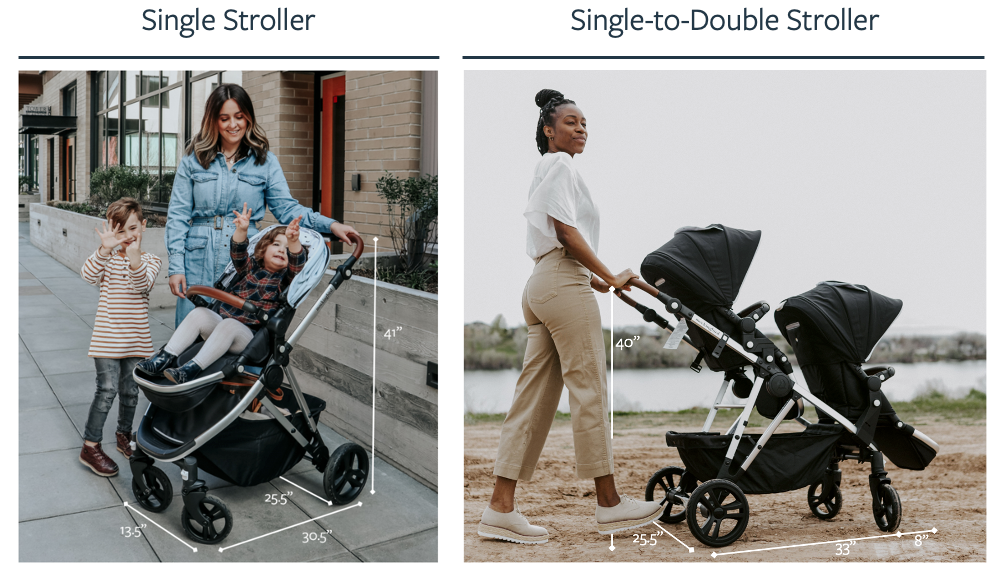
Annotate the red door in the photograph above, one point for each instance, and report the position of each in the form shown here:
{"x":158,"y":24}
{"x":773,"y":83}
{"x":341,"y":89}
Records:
{"x":333,"y":147}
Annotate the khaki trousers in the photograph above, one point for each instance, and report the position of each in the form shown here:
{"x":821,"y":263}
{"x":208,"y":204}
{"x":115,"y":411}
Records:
{"x":564,"y":347}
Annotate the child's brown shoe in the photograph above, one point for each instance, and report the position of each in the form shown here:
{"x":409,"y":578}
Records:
{"x":96,"y":459}
{"x":122,"y":440}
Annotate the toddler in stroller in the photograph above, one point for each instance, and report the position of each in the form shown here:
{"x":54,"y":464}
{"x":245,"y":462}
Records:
{"x":833,"y":329}
{"x":204,"y":421}
{"x":278,"y":257}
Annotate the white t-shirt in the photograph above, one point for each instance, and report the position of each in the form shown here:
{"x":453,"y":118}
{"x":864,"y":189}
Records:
{"x":558,"y":192}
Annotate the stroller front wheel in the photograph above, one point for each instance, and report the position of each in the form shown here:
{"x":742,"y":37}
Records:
{"x":673,"y":486}
{"x":887,"y":509}
{"x":159,"y":490}
{"x":827,"y":507}
{"x":724,"y":515}
{"x":346,"y":473}
{"x":211,"y":524}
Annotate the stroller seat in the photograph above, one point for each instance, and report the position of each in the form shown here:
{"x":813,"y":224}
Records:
{"x":833,"y":329}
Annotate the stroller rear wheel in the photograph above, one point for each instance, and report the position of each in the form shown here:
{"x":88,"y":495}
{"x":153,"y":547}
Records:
{"x":159,"y":490}
{"x":724,"y":516}
{"x":827,"y":507}
{"x":673,"y":486}
{"x":346,"y":473}
{"x":211,"y":524}
{"x":887,"y":509}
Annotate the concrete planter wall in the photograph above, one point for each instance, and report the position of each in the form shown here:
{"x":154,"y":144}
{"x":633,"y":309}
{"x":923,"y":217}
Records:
{"x":70,"y":239}
{"x":334,"y":360}
{"x":24,"y":205}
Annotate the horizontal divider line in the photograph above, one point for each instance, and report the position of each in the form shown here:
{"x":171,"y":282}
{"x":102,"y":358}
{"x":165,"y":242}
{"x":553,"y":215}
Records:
{"x":650,"y":57}
{"x":228,"y":57}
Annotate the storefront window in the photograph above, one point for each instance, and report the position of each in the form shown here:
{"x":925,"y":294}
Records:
{"x":154,"y":133}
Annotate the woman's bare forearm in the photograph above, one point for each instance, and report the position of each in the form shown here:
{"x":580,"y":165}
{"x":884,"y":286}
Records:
{"x":576,"y":245}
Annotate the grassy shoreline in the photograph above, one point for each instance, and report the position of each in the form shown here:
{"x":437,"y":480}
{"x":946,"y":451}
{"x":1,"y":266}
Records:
{"x":970,"y":410}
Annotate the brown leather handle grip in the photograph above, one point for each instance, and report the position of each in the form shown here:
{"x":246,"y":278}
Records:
{"x":358,"y":242}
{"x":215,"y":294}
{"x":624,"y":298}
{"x":643,"y":287}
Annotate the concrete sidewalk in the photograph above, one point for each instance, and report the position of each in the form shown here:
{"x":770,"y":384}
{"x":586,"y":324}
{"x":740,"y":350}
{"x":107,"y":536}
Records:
{"x":66,"y":513}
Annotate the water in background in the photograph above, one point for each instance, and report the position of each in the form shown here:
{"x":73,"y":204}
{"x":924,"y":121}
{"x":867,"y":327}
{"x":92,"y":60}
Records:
{"x":491,"y":391}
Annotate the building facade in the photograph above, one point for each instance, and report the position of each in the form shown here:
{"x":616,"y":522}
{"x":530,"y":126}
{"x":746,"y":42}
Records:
{"x":335,"y":133}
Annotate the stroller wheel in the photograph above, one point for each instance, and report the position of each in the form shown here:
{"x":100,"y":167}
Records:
{"x":159,"y":490}
{"x":672,"y":485}
{"x":827,"y":507}
{"x":346,"y":473}
{"x":211,"y":524}
{"x":724,"y":516}
{"x":887,"y":509}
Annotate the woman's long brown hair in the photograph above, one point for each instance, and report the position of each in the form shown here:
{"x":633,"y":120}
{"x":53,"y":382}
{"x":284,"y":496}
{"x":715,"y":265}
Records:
{"x":207,"y":142}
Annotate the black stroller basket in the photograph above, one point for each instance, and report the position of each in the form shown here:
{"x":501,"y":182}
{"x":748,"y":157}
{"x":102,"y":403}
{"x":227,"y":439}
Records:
{"x":697,"y":276}
{"x":244,"y":418}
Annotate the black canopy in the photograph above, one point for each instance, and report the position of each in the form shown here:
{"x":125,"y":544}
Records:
{"x":702,"y":266}
{"x":851,"y":318}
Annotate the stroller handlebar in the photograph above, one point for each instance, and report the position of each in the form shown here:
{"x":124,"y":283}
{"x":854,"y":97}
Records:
{"x":220,"y":296}
{"x":356,"y":240}
{"x":643,"y":287}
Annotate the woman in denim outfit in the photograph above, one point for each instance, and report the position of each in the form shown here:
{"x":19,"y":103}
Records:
{"x":226,"y":165}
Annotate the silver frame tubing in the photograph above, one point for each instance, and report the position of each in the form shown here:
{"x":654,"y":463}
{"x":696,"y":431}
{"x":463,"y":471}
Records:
{"x":714,"y":408}
{"x":283,"y":420}
{"x":299,"y":398}
{"x":768,"y":433}
{"x":820,"y":405}
{"x":305,"y":322}
{"x":744,"y":419}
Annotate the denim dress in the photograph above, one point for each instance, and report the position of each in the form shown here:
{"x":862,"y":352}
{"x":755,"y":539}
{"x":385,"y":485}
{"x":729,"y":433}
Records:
{"x":200,"y":219}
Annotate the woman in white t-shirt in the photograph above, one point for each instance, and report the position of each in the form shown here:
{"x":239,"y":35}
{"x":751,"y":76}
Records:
{"x":565,"y":341}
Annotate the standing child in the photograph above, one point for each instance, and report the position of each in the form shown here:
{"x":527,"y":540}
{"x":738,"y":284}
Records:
{"x":121,"y":335}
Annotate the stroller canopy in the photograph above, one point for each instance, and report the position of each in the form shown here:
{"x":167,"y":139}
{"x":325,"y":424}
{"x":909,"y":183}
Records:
{"x":308,"y":278}
{"x":702,"y":266}
{"x":851,"y":318}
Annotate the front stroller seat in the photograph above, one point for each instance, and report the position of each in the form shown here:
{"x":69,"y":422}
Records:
{"x":833,"y":329}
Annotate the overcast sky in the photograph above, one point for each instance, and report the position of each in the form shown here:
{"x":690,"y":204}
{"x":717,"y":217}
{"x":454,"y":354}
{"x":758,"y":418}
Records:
{"x":874,"y":178}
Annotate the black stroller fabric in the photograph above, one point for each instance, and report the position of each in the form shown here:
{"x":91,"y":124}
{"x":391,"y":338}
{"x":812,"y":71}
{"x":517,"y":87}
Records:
{"x":250,"y":452}
{"x":787,"y":462}
{"x":851,"y":318}
{"x":838,"y":326}
{"x":702,"y":267}
{"x":705,"y":268}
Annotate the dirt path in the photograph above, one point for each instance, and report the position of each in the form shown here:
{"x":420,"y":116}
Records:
{"x":950,"y":495}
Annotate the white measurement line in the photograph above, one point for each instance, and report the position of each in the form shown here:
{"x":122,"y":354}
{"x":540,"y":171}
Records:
{"x":128,"y":506}
{"x":932,"y":530}
{"x":691,"y":549}
{"x":305,"y":490}
{"x":611,"y":373}
{"x":612,"y":542}
{"x":359,"y":504}
{"x":373,"y":419}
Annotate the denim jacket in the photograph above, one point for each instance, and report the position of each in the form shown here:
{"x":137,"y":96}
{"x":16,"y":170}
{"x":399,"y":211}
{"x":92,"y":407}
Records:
{"x":200,"y":216}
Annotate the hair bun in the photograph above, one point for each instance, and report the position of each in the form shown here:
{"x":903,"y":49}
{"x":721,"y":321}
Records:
{"x":544,"y":96}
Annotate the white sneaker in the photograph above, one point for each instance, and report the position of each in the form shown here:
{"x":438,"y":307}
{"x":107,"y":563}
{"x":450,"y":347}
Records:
{"x":510,"y":527}
{"x":628,"y":514}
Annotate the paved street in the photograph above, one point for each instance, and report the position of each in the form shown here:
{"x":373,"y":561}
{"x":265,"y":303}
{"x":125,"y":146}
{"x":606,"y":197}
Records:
{"x":66,"y":513}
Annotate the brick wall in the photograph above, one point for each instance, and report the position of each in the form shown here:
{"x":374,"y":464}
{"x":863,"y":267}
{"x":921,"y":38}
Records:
{"x":53,"y":83}
{"x":383,"y":122}
{"x":284,"y":106}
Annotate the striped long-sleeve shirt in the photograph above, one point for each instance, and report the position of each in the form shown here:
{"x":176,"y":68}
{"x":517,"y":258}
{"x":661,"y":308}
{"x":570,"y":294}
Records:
{"x":122,"y":324}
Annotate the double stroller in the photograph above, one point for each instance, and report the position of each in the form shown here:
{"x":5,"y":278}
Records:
{"x":216,"y":421}
{"x":832,"y":329}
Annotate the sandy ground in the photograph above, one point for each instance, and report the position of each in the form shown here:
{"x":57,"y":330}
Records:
{"x":950,"y":496}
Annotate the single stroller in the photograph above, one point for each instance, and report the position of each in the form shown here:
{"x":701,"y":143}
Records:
{"x":208,"y":422}
{"x":832,"y":329}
